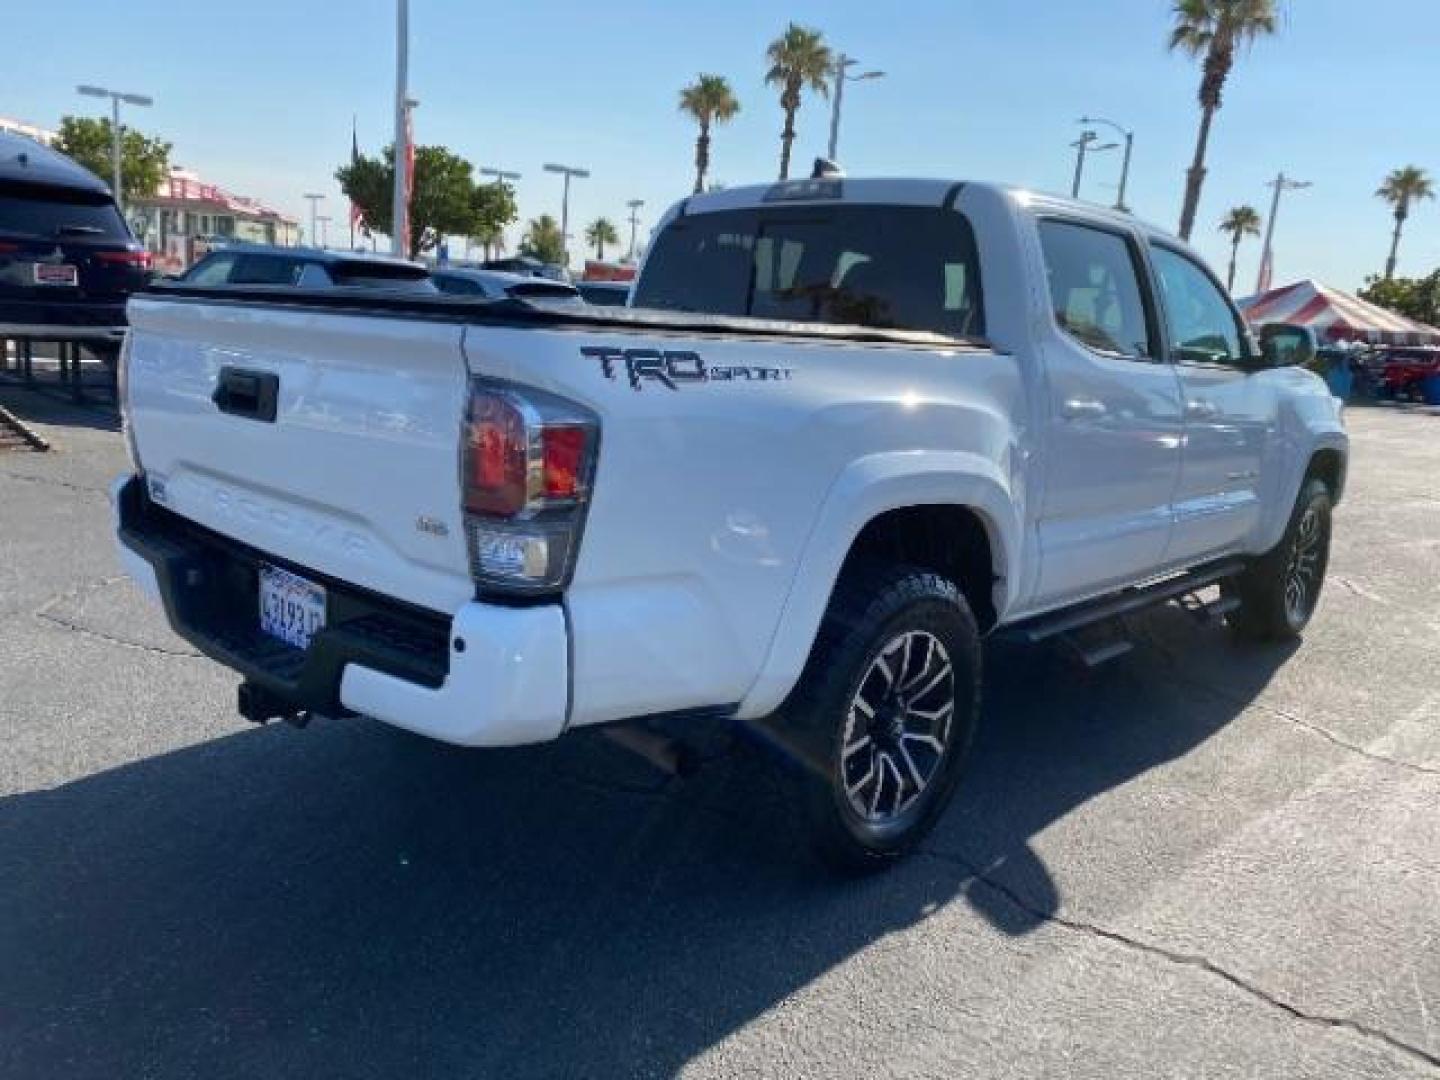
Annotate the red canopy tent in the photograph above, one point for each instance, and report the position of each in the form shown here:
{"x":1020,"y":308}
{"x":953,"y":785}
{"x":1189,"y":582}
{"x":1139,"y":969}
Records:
{"x":1335,"y":315}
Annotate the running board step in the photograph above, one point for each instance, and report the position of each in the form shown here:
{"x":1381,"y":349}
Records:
{"x":1128,"y":601}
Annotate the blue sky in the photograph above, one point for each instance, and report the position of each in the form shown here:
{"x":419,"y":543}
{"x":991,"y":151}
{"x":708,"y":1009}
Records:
{"x":259,"y":96}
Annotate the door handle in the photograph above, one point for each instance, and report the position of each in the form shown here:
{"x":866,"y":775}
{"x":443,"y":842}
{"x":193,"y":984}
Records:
{"x":1083,"y":409}
{"x":248,"y":394}
{"x":1200,"y":409}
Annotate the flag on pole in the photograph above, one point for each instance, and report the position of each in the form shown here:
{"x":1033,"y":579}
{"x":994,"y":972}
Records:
{"x":357,"y":219}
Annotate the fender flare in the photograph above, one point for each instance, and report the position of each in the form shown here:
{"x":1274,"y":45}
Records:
{"x":865,"y":489}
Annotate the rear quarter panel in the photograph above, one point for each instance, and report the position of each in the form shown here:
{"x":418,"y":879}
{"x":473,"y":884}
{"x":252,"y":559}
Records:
{"x":709,"y":508}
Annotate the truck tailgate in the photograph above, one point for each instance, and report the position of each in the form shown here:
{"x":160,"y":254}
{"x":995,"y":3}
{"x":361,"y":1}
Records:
{"x":357,"y":474}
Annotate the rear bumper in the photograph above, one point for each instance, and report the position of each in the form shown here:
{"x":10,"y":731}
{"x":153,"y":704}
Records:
{"x":486,"y":676}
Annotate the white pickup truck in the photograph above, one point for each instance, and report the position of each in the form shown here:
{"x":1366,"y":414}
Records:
{"x":847,"y":428}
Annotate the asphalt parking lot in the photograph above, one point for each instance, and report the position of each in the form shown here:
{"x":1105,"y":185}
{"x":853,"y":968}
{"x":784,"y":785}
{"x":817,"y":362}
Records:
{"x":1195,"y":861}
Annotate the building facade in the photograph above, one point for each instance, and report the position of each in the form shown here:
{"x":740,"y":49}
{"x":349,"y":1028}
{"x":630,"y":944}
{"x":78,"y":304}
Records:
{"x":188,"y":216}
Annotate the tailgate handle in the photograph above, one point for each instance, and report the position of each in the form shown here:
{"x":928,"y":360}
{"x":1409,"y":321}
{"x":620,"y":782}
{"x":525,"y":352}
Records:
{"x":248,"y":394}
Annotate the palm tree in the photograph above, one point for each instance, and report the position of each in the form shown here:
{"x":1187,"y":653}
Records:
{"x":1239,"y":223}
{"x":491,"y":238}
{"x":600,"y":232}
{"x":1400,"y":189}
{"x":798,"y":58}
{"x":708,"y":100}
{"x":1214,"y":29}
{"x":542,"y":240}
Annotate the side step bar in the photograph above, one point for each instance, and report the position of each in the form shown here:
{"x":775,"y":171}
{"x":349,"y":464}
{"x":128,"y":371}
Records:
{"x":1068,"y":622}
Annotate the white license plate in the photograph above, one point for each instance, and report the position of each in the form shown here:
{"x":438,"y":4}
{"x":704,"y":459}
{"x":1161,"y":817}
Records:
{"x":291,"y":608}
{"x":56,"y":274}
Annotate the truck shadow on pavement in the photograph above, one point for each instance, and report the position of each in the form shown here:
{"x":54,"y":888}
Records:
{"x":354,"y":901}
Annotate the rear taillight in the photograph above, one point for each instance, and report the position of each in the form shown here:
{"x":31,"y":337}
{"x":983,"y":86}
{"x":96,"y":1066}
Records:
{"x":7,"y":248}
{"x":528,"y":461}
{"x":140,"y":260}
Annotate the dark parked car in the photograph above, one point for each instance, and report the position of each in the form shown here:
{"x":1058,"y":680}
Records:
{"x":306,"y":268}
{"x":67,"y":259}
{"x":605,"y":293}
{"x":495,"y":285}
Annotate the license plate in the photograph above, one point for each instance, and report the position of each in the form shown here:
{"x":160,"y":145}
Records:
{"x":56,"y":274}
{"x":291,"y":608}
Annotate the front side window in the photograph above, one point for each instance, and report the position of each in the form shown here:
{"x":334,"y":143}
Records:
{"x":212,"y":270}
{"x":1202,"y":326}
{"x":892,"y":267}
{"x":266,"y":270}
{"x":1095,"y":288}
{"x":455,"y":285}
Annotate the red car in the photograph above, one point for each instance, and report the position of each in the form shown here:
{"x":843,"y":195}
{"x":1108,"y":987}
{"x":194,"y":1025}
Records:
{"x":1402,"y":369}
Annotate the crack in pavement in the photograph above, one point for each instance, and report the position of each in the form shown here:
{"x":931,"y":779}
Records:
{"x":51,"y":482}
{"x":1191,"y":960}
{"x":44,"y":613}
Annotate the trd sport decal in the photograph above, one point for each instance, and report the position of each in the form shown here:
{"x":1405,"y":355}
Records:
{"x":671,"y":367}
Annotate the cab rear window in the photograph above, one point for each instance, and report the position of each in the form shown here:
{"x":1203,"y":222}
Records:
{"x":890,"y":267}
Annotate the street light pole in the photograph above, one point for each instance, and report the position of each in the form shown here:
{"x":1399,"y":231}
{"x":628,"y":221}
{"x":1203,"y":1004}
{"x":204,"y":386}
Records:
{"x":1082,"y":146}
{"x":314,"y":198}
{"x":567,"y":171}
{"x":1125,"y":165}
{"x":399,"y":203}
{"x":500,"y":175}
{"x":116,"y":97}
{"x":324,"y":220}
{"x":841,"y":78}
{"x":1281,"y":183}
{"x":634,"y":205}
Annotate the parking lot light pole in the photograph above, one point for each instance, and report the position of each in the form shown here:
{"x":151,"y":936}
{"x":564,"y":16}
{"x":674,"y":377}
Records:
{"x":116,"y":97}
{"x":566,"y":171}
{"x":500,"y":175}
{"x":324,"y":220}
{"x":841,"y":78}
{"x":1281,"y":183}
{"x":1084,"y":145}
{"x":1125,"y":165}
{"x":634,"y":205}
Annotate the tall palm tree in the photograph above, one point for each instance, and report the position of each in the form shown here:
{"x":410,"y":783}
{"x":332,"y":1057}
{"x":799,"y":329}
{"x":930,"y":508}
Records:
{"x":1401,"y":188}
{"x":600,"y":232}
{"x":798,"y":58}
{"x":1239,"y":223}
{"x":1214,"y":29}
{"x":709,"y":100}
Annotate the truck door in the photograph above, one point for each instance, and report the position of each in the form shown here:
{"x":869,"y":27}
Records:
{"x":1114,"y":427}
{"x":1230,"y":412}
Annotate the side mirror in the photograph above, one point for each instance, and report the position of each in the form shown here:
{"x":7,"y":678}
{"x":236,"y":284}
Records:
{"x":1284,"y":345}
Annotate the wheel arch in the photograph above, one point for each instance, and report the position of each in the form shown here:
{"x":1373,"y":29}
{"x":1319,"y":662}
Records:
{"x":896,"y":503}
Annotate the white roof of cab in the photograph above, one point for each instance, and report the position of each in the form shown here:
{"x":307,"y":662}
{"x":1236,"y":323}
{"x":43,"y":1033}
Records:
{"x":901,"y":191}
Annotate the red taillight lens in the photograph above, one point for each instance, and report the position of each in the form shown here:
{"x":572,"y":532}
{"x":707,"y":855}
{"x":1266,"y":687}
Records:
{"x":138,"y":259}
{"x":564,"y":458}
{"x":496,"y":458}
{"x":7,"y":248}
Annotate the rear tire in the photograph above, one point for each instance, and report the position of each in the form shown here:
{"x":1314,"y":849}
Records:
{"x":1280,"y":590}
{"x":883,"y":716}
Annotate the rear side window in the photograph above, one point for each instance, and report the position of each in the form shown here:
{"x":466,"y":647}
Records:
{"x":893,"y":267}
{"x":266,"y":270}
{"x":212,"y":270}
{"x":1095,"y":288}
{"x":47,"y":212}
{"x":457,"y":286}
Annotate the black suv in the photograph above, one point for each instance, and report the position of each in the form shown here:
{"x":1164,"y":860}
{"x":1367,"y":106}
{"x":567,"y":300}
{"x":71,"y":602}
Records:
{"x":67,"y":259}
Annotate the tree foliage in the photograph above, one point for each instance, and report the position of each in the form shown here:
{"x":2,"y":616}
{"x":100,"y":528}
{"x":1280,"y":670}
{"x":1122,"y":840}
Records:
{"x":144,"y":161}
{"x":1214,"y":30}
{"x":542,"y":240}
{"x":446,"y":200}
{"x":600,"y":232}
{"x":1414,"y":298}
{"x":798,"y":58}
{"x":710,"y":102}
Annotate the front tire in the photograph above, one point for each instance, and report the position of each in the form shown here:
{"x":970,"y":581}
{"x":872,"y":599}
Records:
{"x":1280,"y":590}
{"x":884,"y":714}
